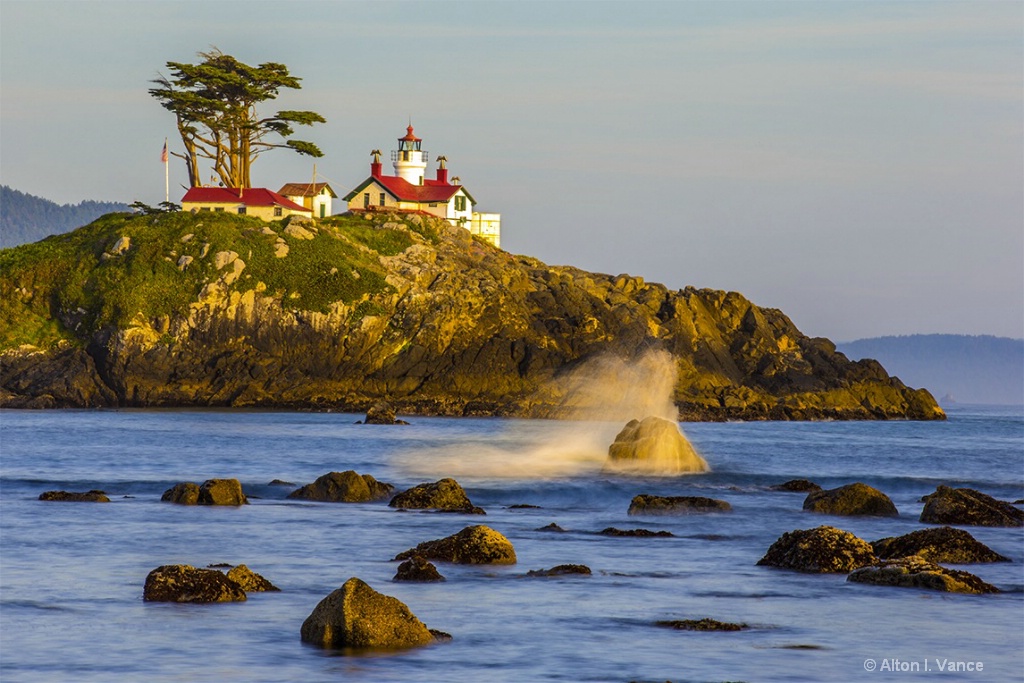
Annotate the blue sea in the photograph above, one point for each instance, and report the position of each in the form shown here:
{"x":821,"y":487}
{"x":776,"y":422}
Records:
{"x":71,"y":574}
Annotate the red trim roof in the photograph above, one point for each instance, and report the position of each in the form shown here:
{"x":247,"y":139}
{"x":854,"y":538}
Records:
{"x":429,"y":191}
{"x":249,"y":196}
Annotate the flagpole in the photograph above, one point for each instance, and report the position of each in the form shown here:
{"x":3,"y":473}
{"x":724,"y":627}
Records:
{"x":167,"y":174}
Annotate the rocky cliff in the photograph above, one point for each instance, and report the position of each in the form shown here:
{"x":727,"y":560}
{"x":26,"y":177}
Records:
{"x":221,"y":310}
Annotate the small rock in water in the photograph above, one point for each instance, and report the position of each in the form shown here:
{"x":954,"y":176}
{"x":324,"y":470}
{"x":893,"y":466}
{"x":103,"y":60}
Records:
{"x":343,"y":487}
{"x":642,"y":533}
{"x":705,"y":624}
{"x":93,"y":496}
{"x":653,"y":446}
{"x":185,"y":583}
{"x":250,"y":581}
{"x":942,"y":544}
{"x":561,"y":570}
{"x":645,"y":504}
{"x":446,"y":495}
{"x":797,"y":486}
{"x":821,"y":550}
{"x":417,"y":568}
{"x":473,"y":545}
{"x":551,"y":527}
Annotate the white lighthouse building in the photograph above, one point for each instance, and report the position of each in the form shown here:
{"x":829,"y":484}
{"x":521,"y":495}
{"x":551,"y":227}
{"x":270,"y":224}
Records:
{"x":410,"y":190}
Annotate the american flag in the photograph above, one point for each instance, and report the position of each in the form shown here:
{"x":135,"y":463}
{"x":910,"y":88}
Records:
{"x":163,"y":155}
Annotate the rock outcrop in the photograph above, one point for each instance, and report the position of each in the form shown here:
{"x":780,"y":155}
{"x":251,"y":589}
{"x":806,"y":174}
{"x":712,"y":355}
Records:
{"x":75,"y":497}
{"x":636,"y":533}
{"x":473,"y":545}
{"x":821,"y":550}
{"x":405,"y":308}
{"x":356,"y":616}
{"x":852,"y":499}
{"x":185,"y":583}
{"x":645,"y":504}
{"x":653,"y":446}
{"x":445,"y":494}
{"x":968,"y":507}
{"x":945,"y":544}
{"x":343,"y":487}
{"x":916,"y":572}
{"x":212,"y":492}
{"x":382,"y":414}
{"x":797,"y":486}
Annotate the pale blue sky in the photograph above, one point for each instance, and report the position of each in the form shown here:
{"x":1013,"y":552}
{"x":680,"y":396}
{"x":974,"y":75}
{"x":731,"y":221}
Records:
{"x":858,"y":165}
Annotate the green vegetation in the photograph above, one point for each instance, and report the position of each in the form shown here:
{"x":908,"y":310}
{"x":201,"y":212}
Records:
{"x":67,"y":287}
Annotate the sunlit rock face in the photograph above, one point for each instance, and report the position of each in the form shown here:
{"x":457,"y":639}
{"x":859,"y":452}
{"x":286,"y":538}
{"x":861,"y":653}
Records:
{"x":653,"y":446}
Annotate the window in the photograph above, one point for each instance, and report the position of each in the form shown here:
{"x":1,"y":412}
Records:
{"x":460,"y":203}
{"x":277,"y":211}
{"x":366,"y":200}
{"x":382,"y":199}
{"x":241,"y":209}
{"x":219,"y":208}
{"x":204,"y":208}
{"x":405,"y":156}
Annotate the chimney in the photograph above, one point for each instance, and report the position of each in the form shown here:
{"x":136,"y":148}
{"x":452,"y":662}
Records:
{"x":375,"y":165}
{"x":442,"y":170}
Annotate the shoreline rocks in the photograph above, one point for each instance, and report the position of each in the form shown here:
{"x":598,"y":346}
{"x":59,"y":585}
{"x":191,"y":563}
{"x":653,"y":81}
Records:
{"x":418,"y":569}
{"x":645,"y":504}
{"x":343,"y":487}
{"x":637,"y":533}
{"x":968,"y":507}
{"x":824,"y":549}
{"x":916,"y":572}
{"x":705,"y":624}
{"x":850,"y":500}
{"x":562,"y":570}
{"x":796,"y":486}
{"x":473,"y":545}
{"x":358,"y":617}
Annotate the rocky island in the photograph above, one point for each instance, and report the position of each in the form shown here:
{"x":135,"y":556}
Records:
{"x":214,"y":309}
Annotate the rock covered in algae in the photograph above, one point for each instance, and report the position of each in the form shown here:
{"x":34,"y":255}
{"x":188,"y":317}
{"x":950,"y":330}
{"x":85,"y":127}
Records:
{"x":473,"y":545}
{"x":343,"y":487}
{"x":646,"y":504}
{"x":250,"y":581}
{"x":212,"y":492}
{"x":445,"y":494}
{"x":654,"y":446}
{"x":185,"y":583}
{"x":916,"y":572}
{"x":821,"y":550}
{"x":967,"y":506}
{"x":942,"y":544}
{"x":93,"y":496}
{"x":357,"y":616}
{"x":852,"y":499}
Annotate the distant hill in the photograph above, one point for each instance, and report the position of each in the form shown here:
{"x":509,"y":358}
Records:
{"x":26,"y":218}
{"x":968,"y":369}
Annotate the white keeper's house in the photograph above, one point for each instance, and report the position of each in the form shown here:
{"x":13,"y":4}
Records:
{"x":410,"y":190}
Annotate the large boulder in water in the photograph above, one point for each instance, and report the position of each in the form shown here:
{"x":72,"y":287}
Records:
{"x":944,"y":544}
{"x":653,"y":446}
{"x":852,"y":499}
{"x":356,"y":616}
{"x":343,"y":487}
{"x":185,"y":583}
{"x":968,"y":507}
{"x":822,"y":550}
{"x":473,"y":545}
{"x":916,"y":572}
{"x":445,"y":494}
{"x":184,"y":493}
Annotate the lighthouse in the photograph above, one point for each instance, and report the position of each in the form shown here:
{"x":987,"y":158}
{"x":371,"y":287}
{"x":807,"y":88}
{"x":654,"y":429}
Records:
{"x":410,"y":190}
{"x":410,"y":161}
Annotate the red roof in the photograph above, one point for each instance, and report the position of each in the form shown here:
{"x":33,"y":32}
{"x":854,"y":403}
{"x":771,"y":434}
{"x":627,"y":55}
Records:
{"x":429,"y":191}
{"x":249,"y":196}
{"x":409,"y":136}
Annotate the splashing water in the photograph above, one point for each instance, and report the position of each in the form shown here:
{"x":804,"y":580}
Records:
{"x":592,"y":403}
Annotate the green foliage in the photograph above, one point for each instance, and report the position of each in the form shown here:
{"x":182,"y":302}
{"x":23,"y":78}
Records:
{"x":67,"y":287}
{"x":26,"y":218}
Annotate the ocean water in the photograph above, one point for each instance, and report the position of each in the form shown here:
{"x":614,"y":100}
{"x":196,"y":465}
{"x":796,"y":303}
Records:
{"x":71,"y":574}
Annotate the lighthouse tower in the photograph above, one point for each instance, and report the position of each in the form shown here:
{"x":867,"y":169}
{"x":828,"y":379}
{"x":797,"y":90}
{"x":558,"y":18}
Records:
{"x":409,"y":159}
